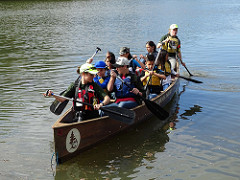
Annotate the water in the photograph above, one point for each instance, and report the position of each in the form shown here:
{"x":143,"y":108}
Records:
{"x":43,"y":42}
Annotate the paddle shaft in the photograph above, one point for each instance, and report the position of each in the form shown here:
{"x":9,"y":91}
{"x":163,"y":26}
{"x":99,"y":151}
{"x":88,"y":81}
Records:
{"x":98,"y":49}
{"x":190,"y":79}
{"x":188,"y":70}
{"x":88,"y":104}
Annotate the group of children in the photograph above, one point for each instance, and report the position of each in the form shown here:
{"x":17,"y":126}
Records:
{"x":154,"y":70}
{"x":121,"y":81}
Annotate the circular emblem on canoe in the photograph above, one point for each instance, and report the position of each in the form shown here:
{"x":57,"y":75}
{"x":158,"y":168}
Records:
{"x":73,"y":140}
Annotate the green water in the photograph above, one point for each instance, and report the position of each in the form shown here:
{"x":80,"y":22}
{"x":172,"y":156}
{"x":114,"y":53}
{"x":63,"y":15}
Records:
{"x":43,"y":42}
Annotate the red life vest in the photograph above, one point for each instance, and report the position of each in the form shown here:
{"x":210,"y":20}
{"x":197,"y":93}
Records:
{"x":86,"y":95}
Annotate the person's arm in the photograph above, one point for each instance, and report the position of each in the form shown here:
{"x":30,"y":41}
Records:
{"x":139,"y":87}
{"x":144,"y":76}
{"x":105,"y":101}
{"x":89,"y":61}
{"x":102,"y":95}
{"x":138,"y":63}
{"x":180,"y":58}
{"x":68,"y":93}
{"x":111,"y":81}
{"x":163,"y":40}
{"x":162,"y":76}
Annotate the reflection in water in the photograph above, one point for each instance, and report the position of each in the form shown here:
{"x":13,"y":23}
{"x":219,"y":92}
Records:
{"x":191,"y":111}
{"x":122,"y":155}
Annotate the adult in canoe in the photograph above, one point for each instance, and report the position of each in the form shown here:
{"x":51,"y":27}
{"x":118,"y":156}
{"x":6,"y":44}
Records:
{"x":126,"y":96}
{"x":85,"y":90}
{"x":171,"y":43}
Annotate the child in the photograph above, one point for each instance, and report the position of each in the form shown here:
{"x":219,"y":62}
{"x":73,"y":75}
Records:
{"x":151,"y":49}
{"x":154,"y":85}
{"x":101,"y":78}
{"x":85,"y":90}
{"x":165,"y":65}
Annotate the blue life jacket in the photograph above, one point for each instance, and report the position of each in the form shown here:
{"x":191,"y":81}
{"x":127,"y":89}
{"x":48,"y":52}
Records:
{"x":122,"y":90}
{"x":103,"y":82}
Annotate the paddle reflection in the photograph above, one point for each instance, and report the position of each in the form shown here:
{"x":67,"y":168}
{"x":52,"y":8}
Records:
{"x":119,"y":156}
{"x":124,"y":154}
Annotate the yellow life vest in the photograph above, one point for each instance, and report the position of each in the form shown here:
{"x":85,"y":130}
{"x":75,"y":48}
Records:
{"x":173,"y":46}
{"x":167,"y":68}
{"x":155,"y":81}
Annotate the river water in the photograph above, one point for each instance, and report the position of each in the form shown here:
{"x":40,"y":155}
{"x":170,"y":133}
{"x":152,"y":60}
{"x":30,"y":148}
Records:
{"x":43,"y":42}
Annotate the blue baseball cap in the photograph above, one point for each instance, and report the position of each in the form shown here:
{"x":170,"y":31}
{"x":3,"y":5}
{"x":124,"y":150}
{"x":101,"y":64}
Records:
{"x":100,"y":64}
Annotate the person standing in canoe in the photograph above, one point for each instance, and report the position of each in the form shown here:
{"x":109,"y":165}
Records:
{"x":126,"y":97}
{"x":86,"y":90}
{"x":171,"y":43}
{"x":154,"y":86}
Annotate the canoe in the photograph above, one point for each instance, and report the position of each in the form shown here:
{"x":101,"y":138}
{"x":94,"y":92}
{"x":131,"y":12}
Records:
{"x":71,"y":139}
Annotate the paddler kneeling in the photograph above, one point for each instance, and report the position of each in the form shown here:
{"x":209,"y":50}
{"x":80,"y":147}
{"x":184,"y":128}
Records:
{"x":85,"y":90}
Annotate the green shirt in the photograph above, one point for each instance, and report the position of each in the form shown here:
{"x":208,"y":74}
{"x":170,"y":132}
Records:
{"x":71,"y":90}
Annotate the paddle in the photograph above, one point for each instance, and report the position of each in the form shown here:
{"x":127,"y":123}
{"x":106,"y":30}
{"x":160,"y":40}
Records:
{"x":98,"y":49}
{"x":58,"y":107}
{"x":188,"y":70}
{"x":155,"y":108}
{"x":117,"y":113}
{"x":190,"y":79}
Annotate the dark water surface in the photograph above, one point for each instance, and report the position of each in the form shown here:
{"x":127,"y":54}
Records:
{"x":43,"y":42}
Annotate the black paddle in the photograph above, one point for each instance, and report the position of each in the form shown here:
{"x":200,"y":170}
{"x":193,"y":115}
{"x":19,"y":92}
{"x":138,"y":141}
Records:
{"x":190,"y":79}
{"x":188,"y":70}
{"x":155,"y":108}
{"x":117,"y":113}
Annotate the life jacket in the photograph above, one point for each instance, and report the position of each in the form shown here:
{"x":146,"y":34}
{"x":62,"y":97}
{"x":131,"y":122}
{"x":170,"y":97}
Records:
{"x":167,"y":68}
{"x":173,"y":46}
{"x":102,"y":81}
{"x":122,"y":90}
{"x":85,"y":95}
{"x":155,"y":81}
{"x":138,"y":71}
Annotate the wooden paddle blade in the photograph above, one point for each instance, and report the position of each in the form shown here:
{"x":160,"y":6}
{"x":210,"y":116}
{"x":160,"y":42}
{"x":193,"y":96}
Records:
{"x":190,"y":79}
{"x":120,"y":114}
{"x":156,"y":109}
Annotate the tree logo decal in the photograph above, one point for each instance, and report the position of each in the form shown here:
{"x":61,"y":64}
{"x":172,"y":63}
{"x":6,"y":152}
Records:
{"x":73,"y":140}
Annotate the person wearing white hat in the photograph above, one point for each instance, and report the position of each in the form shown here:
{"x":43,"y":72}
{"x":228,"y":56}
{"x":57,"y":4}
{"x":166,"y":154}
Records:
{"x":86,"y":90}
{"x":126,"y":96}
{"x":171,"y":43}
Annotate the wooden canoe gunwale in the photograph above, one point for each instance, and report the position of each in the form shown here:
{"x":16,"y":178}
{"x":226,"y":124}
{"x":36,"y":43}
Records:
{"x":93,"y":131}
